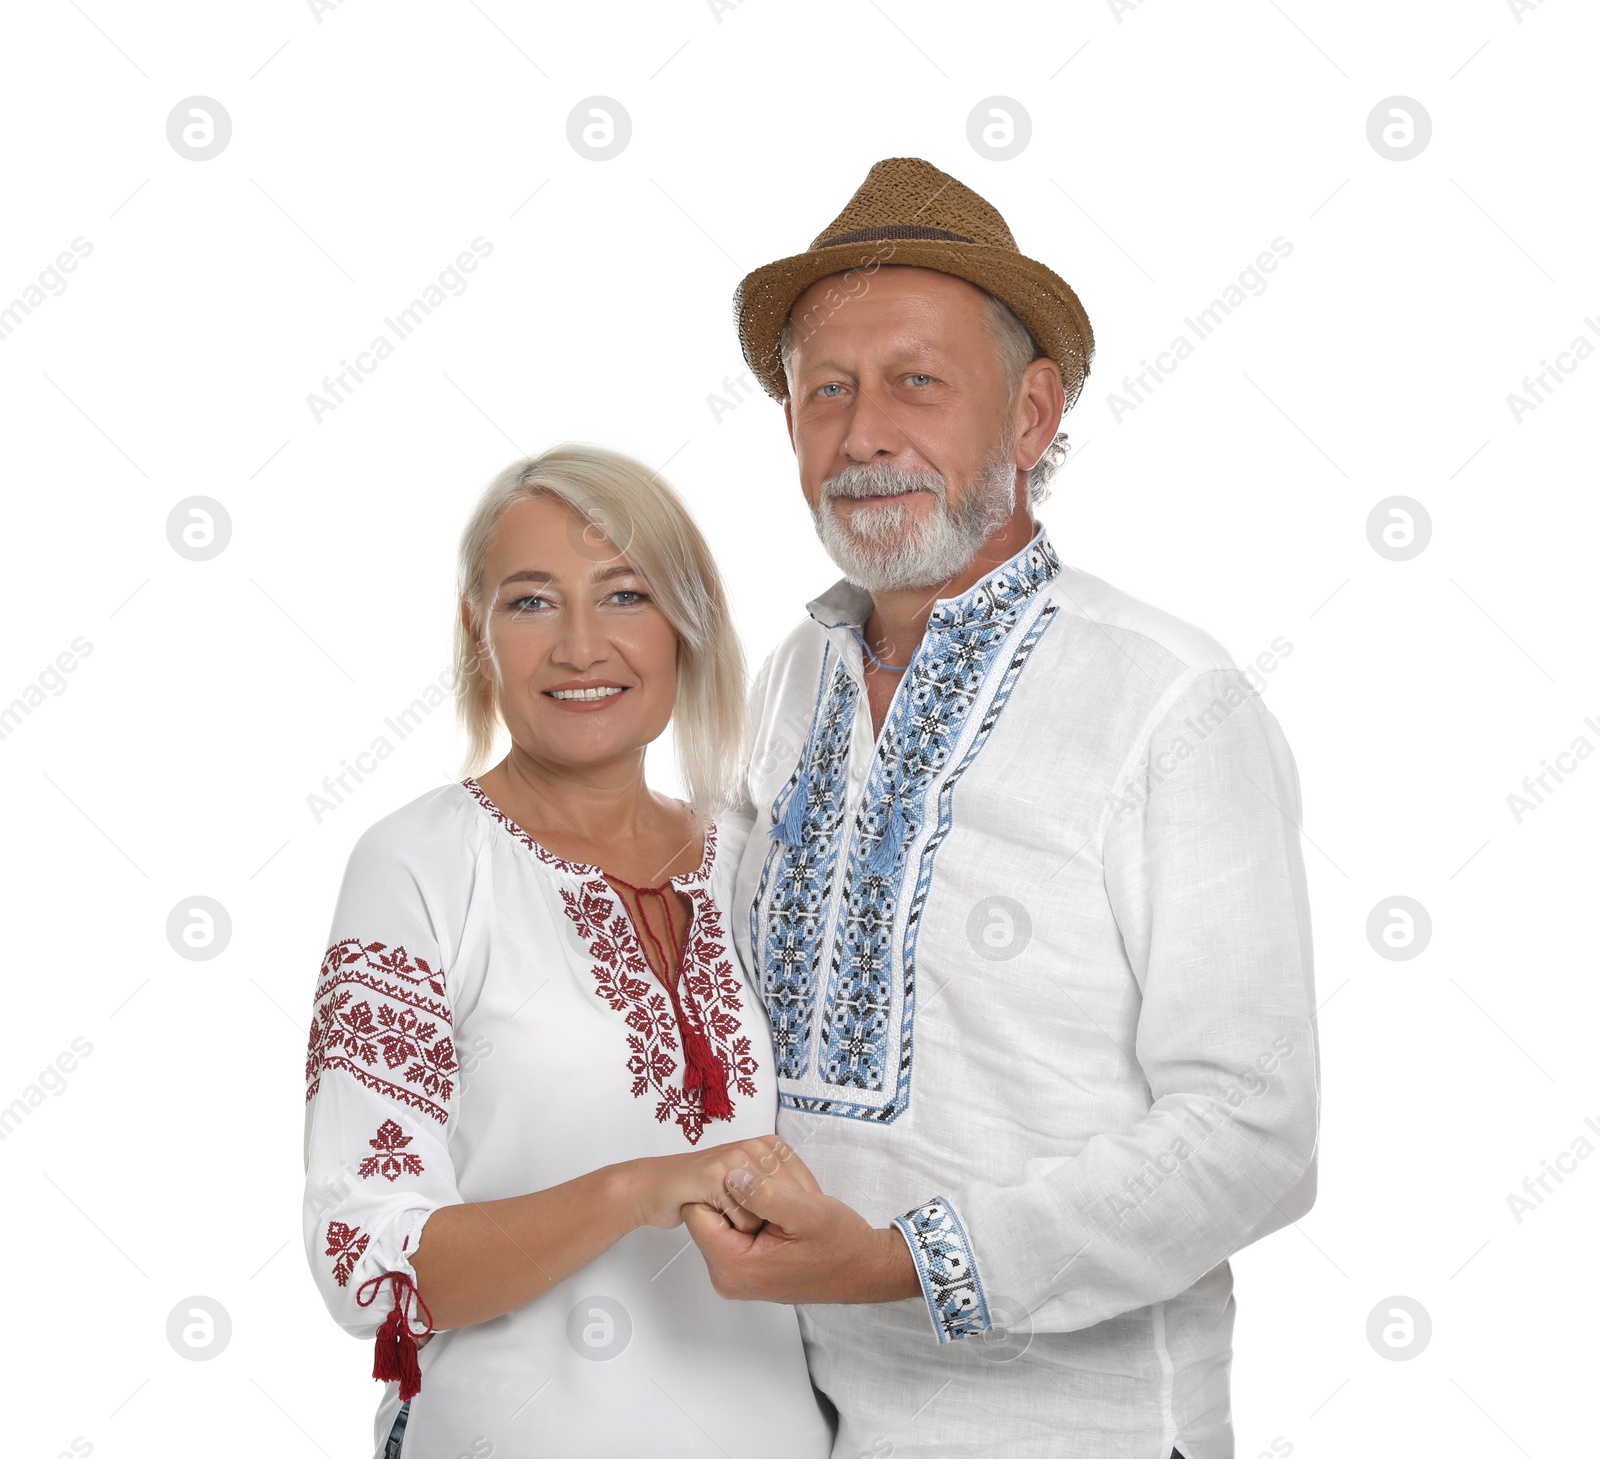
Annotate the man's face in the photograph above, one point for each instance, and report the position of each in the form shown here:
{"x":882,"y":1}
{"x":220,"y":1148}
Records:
{"x":899,"y":417}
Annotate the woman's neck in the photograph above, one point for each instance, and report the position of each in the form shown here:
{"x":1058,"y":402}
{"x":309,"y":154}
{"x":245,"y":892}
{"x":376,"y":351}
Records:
{"x":597,"y":804}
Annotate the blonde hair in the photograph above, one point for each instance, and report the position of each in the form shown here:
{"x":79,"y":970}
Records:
{"x":630,"y":506}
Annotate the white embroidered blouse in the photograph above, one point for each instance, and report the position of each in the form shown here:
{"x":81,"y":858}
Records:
{"x":487,"y":1025}
{"x":1038,"y":963}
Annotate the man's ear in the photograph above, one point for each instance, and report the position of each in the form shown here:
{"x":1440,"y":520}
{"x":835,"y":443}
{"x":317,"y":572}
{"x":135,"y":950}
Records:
{"x":1041,"y":403}
{"x":788,"y":421}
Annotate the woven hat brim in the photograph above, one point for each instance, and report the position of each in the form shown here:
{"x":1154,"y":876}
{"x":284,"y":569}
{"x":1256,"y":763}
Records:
{"x":1038,"y":296}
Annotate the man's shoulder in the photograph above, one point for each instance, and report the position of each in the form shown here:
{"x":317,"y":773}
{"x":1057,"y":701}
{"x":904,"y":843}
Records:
{"x":1138,"y":627}
{"x":797,"y":656}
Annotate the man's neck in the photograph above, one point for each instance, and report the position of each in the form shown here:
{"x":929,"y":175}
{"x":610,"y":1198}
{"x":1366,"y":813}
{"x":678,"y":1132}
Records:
{"x":899,"y":618}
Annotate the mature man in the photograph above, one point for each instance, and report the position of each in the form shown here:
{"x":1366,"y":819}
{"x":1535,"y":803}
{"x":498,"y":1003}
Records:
{"x":1024,"y":893}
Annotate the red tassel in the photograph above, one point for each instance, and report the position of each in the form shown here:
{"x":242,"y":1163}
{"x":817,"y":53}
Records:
{"x":704,"y":1071}
{"x":394,"y":1356}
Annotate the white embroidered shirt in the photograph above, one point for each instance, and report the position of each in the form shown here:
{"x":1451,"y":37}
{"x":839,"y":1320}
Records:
{"x":486,"y":1025}
{"x":1038,"y":963}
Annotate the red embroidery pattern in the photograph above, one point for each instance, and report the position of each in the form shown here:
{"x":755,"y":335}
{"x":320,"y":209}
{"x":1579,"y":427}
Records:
{"x":708,"y":972}
{"x":396,"y":1039}
{"x":393,"y":1159}
{"x":572,"y":868}
{"x":345,"y":1245}
{"x":623,"y":978}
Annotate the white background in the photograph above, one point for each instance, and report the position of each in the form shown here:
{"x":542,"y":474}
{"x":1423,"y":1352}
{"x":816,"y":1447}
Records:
{"x":1171,"y":143}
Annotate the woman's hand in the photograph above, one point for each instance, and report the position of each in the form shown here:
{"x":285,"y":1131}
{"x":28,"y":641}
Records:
{"x":477,"y":1259}
{"x":660,"y":1186}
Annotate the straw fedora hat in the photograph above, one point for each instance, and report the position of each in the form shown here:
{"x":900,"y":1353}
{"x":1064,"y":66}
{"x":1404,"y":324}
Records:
{"x":908,"y":212}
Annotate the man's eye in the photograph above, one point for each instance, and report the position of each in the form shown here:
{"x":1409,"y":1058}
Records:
{"x":823,"y":389}
{"x":914,"y":378}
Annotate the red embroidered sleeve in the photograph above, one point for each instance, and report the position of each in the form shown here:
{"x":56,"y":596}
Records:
{"x":381,"y":1016}
{"x":381,"y":1089}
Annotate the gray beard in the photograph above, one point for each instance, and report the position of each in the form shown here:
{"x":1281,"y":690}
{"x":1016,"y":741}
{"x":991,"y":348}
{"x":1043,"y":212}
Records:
{"x":883,"y":549}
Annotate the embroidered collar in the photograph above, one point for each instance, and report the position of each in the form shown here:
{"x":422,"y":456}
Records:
{"x":685,"y":881}
{"x":846,"y":606}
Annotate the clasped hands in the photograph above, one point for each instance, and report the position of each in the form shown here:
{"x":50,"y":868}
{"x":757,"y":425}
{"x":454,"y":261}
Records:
{"x":767,"y":1230}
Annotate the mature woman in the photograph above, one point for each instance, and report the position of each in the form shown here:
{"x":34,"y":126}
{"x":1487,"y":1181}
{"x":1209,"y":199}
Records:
{"x":532,"y":1043}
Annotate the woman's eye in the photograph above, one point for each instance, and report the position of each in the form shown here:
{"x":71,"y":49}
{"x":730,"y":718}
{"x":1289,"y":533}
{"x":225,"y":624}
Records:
{"x":632,"y":595}
{"x":526,"y":605}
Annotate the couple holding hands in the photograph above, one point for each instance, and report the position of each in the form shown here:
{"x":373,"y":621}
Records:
{"x":906,"y":1091}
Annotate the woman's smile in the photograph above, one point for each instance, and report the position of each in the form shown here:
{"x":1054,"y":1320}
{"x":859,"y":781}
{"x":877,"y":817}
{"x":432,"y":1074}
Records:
{"x":585,"y":698}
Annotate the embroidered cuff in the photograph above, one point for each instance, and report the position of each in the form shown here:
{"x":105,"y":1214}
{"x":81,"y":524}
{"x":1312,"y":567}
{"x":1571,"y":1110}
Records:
{"x":946,"y":1269}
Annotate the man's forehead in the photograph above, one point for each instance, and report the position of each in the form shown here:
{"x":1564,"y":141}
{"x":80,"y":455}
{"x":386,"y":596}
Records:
{"x":906,"y":314}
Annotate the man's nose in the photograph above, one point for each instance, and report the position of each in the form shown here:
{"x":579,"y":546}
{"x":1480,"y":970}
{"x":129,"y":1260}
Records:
{"x":872,"y":431}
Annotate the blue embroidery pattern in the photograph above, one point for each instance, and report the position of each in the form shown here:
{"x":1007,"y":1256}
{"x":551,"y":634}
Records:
{"x":815,"y":811}
{"x":924,"y":726}
{"x":949,"y":1276}
{"x":969,"y":659}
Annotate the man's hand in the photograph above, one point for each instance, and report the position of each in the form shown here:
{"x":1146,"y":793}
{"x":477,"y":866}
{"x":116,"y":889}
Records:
{"x":656,"y":1189}
{"x":812,"y":1249}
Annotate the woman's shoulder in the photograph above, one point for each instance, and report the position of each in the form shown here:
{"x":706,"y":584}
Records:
{"x":429,"y":831}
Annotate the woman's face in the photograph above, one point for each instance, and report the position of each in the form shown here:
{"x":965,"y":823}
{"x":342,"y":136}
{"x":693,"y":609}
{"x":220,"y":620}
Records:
{"x":584,"y":661}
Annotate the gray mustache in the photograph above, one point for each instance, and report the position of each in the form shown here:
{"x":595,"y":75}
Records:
{"x":879,"y":483}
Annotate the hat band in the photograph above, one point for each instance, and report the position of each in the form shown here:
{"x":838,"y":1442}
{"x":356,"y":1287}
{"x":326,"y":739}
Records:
{"x":886,"y":232}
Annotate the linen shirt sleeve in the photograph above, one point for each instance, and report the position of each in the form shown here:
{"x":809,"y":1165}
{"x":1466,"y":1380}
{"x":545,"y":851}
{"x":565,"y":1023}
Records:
{"x":381,"y":1088}
{"x":1206,"y":883}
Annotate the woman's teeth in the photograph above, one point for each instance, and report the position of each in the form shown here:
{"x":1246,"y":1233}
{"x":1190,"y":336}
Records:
{"x":604,"y":692}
